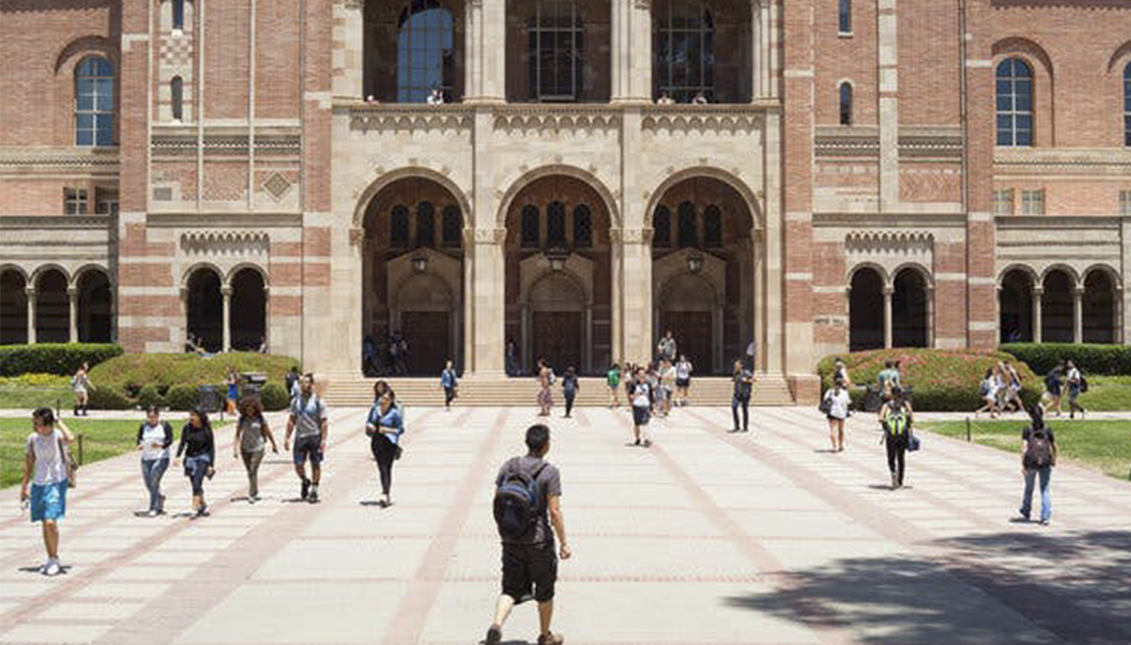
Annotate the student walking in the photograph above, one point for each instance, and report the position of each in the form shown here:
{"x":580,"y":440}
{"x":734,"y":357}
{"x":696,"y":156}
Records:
{"x":449,"y":382}
{"x":896,"y":417}
{"x":154,"y":438}
{"x":198,"y":446}
{"x":250,"y":444}
{"x":527,"y":506}
{"x":233,"y":381}
{"x":666,"y":348}
{"x":292,"y":380}
{"x":613,"y":381}
{"x":384,"y":426}
{"x":987,"y":390}
{"x":666,"y":376}
{"x":888,"y":379}
{"x":45,"y":469}
{"x":1076,"y":385}
{"x":1038,"y":457}
{"x":1012,"y":387}
{"x":743,"y":387}
{"x":1054,"y":385}
{"x":81,"y":385}
{"x":570,"y":387}
{"x":545,"y":396}
{"x":308,"y":422}
{"x":835,"y":406}
{"x":683,"y":370}
{"x":641,"y":398}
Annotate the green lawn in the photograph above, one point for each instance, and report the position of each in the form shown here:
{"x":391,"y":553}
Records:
{"x":1099,"y":445}
{"x":102,"y":439}
{"x":1107,"y":394}
{"x":28,"y":397}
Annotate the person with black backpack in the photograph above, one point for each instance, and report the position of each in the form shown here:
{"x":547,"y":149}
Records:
{"x":527,"y":504}
{"x":1038,"y":456}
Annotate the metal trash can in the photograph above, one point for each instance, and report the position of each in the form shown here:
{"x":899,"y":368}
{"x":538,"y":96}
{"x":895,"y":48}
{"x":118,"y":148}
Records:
{"x":210,"y":399}
{"x":253,"y":383}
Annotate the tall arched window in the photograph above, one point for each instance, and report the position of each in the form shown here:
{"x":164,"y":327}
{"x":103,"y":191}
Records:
{"x":712,"y":227}
{"x":844,"y":23}
{"x":425,"y":224}
{"x":688,"y":228}
{"x":1014,"y":103}
{"x":685,"y":50}
{"x":177,"y":91}
{"x":582,"y":227}
{"x":425,"y":52}
{"x":178,"y":14}
{"x":452,"y":227}
{"x":556,"y":225}
{"x":845,"y":103}
{"x":530,"y":225}
{"x":1127,"y":105}
{"x":94,"y":102}
{"x":398,"y":227}
{"x":662,"y":227}
{"x":556,"y":48}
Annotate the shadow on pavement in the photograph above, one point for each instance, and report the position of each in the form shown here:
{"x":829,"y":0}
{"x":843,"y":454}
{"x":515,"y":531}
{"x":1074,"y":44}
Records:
{"x":1018,"y":587}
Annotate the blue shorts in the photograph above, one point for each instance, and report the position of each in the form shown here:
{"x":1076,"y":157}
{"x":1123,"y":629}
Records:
{"x":48,"y":501}
{"x":308,"y":448}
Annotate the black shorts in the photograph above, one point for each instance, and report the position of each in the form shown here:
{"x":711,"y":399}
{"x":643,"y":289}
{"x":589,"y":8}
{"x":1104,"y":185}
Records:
{"x":640,"y":415}
{"x":308,"y":447}
{"x":529,"y":568}
{"x":683,"y":382}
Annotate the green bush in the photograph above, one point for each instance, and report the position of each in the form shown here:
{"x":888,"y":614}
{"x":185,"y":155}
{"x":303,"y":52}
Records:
{"x":36,"y":380}
{"x":183,"y":398}
{"x":132,"y":371}
{"x":148,"y":395}
{"x":274,"y":397}
{"x":1090,"y":358}
{"x":109,"y":398}
{"x":53,"y":358}
{"x":942,"y":380}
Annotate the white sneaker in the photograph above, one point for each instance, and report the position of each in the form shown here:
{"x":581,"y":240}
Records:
{"x":52,"y":568}
{"x":151,"y":513}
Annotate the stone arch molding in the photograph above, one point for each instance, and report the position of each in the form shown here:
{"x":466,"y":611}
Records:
{"x":384,"y":179}
{"x":225,"y":243}
{"x":524,"y":176}
{"x":752,"y":198}
{"x":889,"y":252}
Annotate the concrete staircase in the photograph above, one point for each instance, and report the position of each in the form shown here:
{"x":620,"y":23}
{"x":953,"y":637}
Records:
{"x":769,"y":390}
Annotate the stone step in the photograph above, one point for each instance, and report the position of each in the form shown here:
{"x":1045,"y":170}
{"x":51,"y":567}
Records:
{"x":769,"y":390}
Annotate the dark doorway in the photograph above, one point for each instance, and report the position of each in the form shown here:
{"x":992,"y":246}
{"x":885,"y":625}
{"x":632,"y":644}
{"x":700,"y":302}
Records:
{"x":866,"y":311}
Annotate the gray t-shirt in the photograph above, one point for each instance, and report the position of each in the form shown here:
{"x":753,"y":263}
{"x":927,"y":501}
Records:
{"x":251,"y":434}
{"x":549,"y":483}
{"x":49,"y":465}
{"x":308,"y":413}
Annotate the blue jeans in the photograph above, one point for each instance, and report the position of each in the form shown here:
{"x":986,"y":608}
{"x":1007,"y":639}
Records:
{"x":196,"y":469}
{"x":153,"y":470}
{"x":1046,"y":498}
{"x":737,"y":402}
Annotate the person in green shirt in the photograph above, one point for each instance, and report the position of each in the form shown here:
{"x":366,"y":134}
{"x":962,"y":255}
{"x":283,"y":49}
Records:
{"x":613,"y":379}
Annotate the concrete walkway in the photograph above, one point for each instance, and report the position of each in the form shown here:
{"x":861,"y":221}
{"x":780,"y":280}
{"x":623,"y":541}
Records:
{"x":706,"y":537}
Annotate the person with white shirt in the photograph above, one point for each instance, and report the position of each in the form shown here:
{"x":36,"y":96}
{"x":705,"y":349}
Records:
{"x":641,"y":408}
{"x":1075,"y":381}
{"x":683,"y":370}
{"x":45,"y":468}
{"x":154,"y":437}
{"x":836,"y":404}
{"x":988,"y":393}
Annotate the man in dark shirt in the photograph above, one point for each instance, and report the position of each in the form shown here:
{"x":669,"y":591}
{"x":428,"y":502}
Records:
{"x":529,"y":563}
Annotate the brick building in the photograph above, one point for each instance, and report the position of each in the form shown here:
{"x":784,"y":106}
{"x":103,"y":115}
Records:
{"x":862,"y":174}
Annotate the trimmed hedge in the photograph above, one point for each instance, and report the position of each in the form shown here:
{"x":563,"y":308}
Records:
{"x":274,"y":397}
{"x":148,"y":395}
{"x":943,"y":380}
{"x":134,"y":376}
{"x":1090,"y":358}
{"x":54,"y":358}
{"x":108,"y":398}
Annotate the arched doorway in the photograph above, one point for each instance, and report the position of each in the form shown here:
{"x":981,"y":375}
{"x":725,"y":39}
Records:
{"x":866,"y":310}
{"x":1099,"y":307}
{"x":205,"y":310}
{"x":1056,"y":307}
{"x":1015,"y":304}
{"x":95,"y":315}
{"x":910,"y":310}
{"x":13,"y":307}
{"x":703,"y":261}
{"x":248,"y":317}
{"x":558,"y":275}
{"x":52,"y":307}
{"x":412,"y":279}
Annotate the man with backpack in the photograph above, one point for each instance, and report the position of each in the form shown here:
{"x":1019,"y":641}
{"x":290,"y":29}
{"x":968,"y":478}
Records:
{"x":1038,"y":456}
{"x":527,"y":504}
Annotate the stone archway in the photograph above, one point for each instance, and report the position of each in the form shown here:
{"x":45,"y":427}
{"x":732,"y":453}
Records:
{"x":1015,"y":303}
{"x":52,"y":306}
{"x":866,"y":310}
{"x":1099,"y":316}
{"x":95,"y":307}
{"x":687,"y":305}
{"x":910,"y":309}
{"x":1057,"y":307}
{"x":204,"y":309}
{"x":13,"y":307}
{"x":247,"y":320}
{"x":555,"y":326}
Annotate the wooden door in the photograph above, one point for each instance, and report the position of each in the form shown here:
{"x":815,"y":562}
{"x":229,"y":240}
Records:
{"x":694,"y":337}
{"x":429,"y":341}
{"x":557,"y":339}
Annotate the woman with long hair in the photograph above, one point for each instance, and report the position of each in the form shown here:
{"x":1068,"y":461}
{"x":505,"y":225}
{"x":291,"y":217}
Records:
{"x":384,"y":427}
{"x":198,"y":446}
{"x":154,"y":437}
{"x":250,"y":445}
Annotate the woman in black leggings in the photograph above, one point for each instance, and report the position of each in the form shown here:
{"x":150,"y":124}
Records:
{"x":896,"y":417}
{"x":385,"y":427}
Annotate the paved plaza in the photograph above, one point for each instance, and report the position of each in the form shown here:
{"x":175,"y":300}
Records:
{"x":707,"y":537}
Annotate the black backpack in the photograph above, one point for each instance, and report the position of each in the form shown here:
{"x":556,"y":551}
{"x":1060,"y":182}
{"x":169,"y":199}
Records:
{"x":1038,"y":449}
{"x":517,"y":503}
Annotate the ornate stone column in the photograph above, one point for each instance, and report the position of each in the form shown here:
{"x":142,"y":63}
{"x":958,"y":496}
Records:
{"x":226,"y":292}
{"x":637,"y":292}
{"x":888,"y":291}
{"x":30,"y":293}
{"x":488,"y":295}
{"x":73,"y":314}
{"x":485,"y":64}
{"x":631,"y":51}
{"x":1038,"y":323}
{"x":1078,"y":315}
{"x":930,"y":315}
{"x":587,"y":339}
